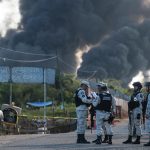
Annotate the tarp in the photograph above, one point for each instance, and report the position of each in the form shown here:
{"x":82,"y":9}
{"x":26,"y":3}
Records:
{"x":39,"y":104}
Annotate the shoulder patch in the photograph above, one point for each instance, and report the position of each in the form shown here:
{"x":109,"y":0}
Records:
{"x":82,"y":93}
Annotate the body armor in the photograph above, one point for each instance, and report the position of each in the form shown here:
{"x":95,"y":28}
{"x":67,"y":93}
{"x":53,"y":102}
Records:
{"x":132,"y":104}
{"x":78,"y":101}
{"x":105,"y":103}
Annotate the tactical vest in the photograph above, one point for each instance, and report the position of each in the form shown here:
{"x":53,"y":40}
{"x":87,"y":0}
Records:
{"x":105,"y":103}
{"x":133,"y":104}
{"x":78,"y":101}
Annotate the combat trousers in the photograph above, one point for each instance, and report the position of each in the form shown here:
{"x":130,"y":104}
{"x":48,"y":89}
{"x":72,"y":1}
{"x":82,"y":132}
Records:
{"x":81,"y":121}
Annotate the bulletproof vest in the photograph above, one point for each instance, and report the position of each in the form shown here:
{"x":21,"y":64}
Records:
{"x":105,"y":103}
{"x":133,"y":104}
{"x":78,"y":100}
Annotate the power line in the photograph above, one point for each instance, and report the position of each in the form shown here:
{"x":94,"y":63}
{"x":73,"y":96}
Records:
{"x":40,"y":60}
{"x":33,"y":54}
{"x":26,"y":61}
{"x":93,"y":74}
{"x":26,"y":53}
{"x":73,"y":67}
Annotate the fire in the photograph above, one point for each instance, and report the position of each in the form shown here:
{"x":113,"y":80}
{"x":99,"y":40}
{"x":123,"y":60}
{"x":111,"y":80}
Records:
{"x":79,"y":55}
{"x":79,"y":58}
{"x":9,"y":15}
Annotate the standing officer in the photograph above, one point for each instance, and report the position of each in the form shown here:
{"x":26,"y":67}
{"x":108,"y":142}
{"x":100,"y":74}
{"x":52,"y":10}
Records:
{"x":147,"y":85}
{"x":82,"y":102}
{"x":1,"y":116}
{"x":104,"y":104}
{"x":135,"y":113}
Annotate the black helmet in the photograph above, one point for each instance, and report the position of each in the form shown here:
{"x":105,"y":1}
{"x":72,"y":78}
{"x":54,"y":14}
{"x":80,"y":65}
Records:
{"x":138,"y":84}
{"x":103,"y":86}
{"x":147,"y":84}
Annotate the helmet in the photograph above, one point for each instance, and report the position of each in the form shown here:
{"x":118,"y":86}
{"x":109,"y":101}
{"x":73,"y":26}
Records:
{"x":102,"y":85}
{"x":147,"y":84}
{"x":138,"y":84}
{"x":85,"y":83}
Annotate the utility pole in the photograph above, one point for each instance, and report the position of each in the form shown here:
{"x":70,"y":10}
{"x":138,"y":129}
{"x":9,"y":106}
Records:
{"x":45,"y":96}
{"x":60,"y":80}
{"x":10,"y":85}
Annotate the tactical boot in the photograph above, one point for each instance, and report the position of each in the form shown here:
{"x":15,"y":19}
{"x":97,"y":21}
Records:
{"x":99,"y":140}
{"x":128,"y":141}
{"x":79,"y":138}
{"x":105,"y":139}
{"x":84,"y":141}
{"x":147,"y":144}
{"x":109,"y":139}
{"x":137,"y":141}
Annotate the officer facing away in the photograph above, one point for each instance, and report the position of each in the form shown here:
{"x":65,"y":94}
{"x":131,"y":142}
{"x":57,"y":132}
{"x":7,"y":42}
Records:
{"x":82,"y":103}
{"x":104,"y":104}
{"x":135,"y":113}
{"x":147,"y":85}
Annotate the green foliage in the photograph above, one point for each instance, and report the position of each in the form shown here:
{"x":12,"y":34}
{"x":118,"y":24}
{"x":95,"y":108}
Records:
{"x":117,"y":86}
{"x":4,"y":93}
{"x":23,"y":93}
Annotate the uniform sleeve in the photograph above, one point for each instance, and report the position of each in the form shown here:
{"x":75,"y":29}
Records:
{"x":96,"y":101}
{"x":1,"y":115}
{"x":83,"y":97}
{"x":148,"y":106}
{"x":94,"y":95}
{"x":140,"y":97}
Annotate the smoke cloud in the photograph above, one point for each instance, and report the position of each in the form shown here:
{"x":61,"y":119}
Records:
{"x":9,"y":16}
{"x":116,"y":30}
{"x":121,"y":55}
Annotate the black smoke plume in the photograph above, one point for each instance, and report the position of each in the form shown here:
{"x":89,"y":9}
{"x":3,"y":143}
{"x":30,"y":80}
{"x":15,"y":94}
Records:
{"x":63,"y":26}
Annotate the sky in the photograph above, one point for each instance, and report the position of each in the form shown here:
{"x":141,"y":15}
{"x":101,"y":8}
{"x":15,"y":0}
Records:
{"x":94,"y":38}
